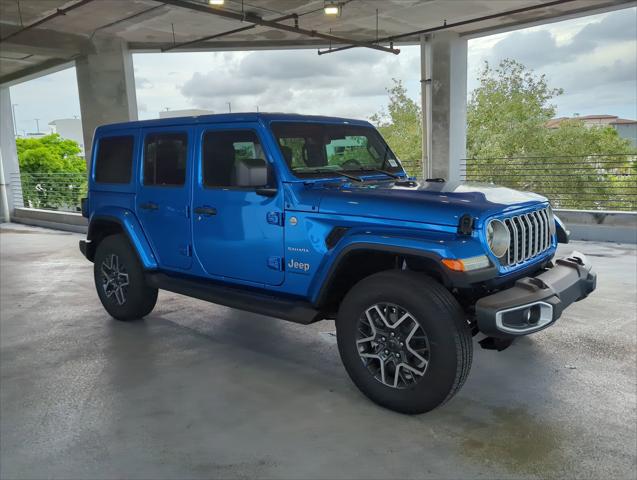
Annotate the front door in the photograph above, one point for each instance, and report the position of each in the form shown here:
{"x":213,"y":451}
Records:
{"x":163,"y":195}
{"x":237,"y":221}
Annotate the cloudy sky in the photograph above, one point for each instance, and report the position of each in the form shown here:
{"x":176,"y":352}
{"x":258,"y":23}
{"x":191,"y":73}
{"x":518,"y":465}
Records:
{"x":594,"y":59}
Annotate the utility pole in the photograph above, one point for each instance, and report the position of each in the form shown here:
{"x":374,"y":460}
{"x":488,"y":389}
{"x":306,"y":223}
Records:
{"x":229,"y":107}
{"x":37,"y":124}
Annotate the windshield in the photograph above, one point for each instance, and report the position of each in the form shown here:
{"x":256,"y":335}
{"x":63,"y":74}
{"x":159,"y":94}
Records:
{"x":318,"y":149}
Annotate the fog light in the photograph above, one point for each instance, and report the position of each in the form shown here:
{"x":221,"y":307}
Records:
{"x":534,"y":314}
{"x":527,"y":315}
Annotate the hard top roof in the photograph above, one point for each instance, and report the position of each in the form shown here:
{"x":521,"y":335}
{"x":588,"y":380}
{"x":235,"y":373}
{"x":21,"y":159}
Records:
{"x":229,"y":118}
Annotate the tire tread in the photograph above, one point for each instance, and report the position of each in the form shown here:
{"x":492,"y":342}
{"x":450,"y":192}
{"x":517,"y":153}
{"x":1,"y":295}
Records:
{"x":444,"y":302}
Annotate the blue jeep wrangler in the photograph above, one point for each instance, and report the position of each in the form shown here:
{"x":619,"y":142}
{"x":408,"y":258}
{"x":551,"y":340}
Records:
{"x":309,"y":218}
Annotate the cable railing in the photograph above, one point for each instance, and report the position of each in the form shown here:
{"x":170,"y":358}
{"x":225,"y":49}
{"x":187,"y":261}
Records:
{"x":412,"y":167}
{"x":578,"y":182}
{"x":50,"y":191}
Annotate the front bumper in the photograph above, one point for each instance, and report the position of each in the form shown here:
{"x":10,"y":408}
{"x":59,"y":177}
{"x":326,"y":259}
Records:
{"x":534,"y":303}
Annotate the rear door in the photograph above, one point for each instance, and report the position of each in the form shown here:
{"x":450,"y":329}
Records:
{"x":162,"y":204}
{"x":237,"y":223}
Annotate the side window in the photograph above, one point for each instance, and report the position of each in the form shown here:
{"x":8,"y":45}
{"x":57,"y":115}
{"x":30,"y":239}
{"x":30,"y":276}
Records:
{"x":114,"y":160}
{"x":165,"y":157}
{"x":234,"y":159}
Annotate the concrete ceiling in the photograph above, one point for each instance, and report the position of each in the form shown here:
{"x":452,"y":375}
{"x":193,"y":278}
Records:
{"x":148,"y":24}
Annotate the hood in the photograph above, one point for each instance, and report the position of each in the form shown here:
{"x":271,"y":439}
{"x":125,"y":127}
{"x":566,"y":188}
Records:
{"x":442,"y":203}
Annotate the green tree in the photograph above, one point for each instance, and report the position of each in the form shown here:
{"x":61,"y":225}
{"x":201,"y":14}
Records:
{"x":401,"y":127}
{"x":508,"y":112}
{"x":53,"y":172}
{"x":508,"y":143}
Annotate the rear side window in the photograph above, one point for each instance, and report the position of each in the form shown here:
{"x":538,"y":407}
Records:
{"x":114,"y":161}
{"x":165,"y":159}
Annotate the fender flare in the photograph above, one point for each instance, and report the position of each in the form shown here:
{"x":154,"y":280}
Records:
{"x":132,"y":229}
{"x":563,"y":234}
{"x":450,"y":278}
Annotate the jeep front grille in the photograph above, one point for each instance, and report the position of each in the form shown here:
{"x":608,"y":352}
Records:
{"x":530,"y":236}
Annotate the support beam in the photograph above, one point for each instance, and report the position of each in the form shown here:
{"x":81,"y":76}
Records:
{"x":106,"y":86}
{"x":448,"y":104}
{"x":48,"y":43}
{"x":9,"y":167}
{"x":251,"y":18}
{"x":448,"y":26}
{"x":223,"y":34}
{"x":58,"y":12}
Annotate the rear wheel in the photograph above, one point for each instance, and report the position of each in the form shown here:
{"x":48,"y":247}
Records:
{"x":404,"y":341}
{"x":119,"y":280}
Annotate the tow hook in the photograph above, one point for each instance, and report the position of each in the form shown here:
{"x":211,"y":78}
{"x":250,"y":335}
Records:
{"x":499,"y":344}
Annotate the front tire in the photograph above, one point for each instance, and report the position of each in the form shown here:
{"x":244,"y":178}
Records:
{"x":119,"y":280}
{"x":404,"y":341}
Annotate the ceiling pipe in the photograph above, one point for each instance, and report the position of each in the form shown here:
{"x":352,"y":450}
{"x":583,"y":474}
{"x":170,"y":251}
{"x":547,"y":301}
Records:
{"x":251,"y":18}
{"x":223,"y":34}
{"x":57,"y":13}
{"x":446,"y":25}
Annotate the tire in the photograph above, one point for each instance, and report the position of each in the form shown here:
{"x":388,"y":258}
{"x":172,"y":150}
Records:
{"x":433,"y":352}
{"x":134,"y":299}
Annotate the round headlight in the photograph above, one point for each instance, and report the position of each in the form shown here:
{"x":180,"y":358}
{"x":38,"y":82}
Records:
{"x":498,"y":238}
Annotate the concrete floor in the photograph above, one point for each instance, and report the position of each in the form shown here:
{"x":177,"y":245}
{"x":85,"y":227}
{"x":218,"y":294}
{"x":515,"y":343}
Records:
{"x":196,"y":390}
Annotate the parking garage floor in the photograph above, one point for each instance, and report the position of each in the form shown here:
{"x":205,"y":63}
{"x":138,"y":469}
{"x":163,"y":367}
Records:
{"x":199,"y":391}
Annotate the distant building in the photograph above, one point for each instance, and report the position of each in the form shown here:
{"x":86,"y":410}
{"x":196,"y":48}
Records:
{"x":625,"y":128}
{"x":32,"y":134}
{"x":69,"y":128}
{"x":194,"y":112}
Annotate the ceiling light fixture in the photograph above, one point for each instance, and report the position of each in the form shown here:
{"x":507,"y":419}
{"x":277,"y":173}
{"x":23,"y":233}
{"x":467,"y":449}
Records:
{"x":332,"y":9}
{"x":217,"y":3}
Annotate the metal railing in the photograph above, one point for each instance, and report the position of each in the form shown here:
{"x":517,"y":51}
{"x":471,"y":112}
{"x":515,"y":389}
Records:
{"x":50,"y":191}
{"x":579,"y":182}
{"x":413,"y":168}
{"x":591,"y":182}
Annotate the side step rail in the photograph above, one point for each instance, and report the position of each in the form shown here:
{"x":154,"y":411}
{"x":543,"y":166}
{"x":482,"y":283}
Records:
{"x":297,"y":311}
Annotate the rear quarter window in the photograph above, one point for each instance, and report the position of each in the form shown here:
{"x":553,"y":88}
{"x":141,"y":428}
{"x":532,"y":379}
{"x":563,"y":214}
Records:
{"x":114,"y":160}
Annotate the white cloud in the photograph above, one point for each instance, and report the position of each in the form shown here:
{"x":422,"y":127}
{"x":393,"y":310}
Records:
{"x":594,"y":59}
{"x":46,"y":98}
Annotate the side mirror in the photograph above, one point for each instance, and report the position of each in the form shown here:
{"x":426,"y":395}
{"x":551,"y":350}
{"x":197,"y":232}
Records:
{"x":266,"y":191}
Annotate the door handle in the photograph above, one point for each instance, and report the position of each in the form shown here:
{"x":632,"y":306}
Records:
{"x":149,"y":206}
{"x":205,"y":211}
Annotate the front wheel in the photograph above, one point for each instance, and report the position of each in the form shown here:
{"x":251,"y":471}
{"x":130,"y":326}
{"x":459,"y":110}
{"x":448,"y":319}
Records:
{"x":404,"y":341}
{"x":119,"y":280}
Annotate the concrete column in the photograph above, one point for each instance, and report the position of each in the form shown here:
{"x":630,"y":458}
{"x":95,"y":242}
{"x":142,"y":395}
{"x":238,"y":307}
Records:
{"x":448,"y":104}
{"x":10,"y":187}
{"x":106,"y":86}
{"x":425,"y":101}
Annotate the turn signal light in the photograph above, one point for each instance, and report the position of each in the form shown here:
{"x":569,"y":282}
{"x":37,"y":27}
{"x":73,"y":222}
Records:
{"x":466,"y":264}
{"x":452,"y":264}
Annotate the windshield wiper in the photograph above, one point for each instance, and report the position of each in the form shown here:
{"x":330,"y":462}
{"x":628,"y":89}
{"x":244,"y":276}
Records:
{"x":352,"y":177}
{"x":378,"y":170}
{"x":336,"y":172}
